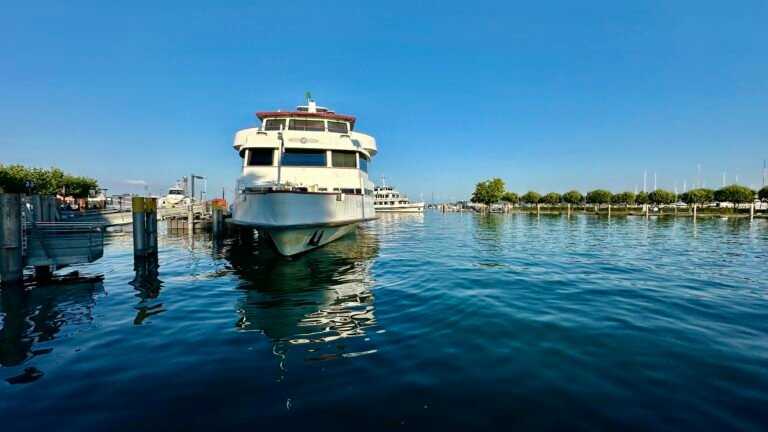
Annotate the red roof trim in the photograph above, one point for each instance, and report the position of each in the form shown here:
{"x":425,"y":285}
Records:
{"x":263,"y":114}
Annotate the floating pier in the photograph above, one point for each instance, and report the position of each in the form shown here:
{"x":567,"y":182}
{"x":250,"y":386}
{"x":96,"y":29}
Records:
{"x":31,"y":235}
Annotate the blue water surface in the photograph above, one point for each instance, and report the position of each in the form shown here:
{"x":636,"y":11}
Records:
{"x":452,"y":321}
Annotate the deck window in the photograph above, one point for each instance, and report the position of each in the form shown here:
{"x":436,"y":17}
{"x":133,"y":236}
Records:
{"x":344,"y":159}
{"x":334,"y":126}
{"x":315,"y":158}
{"x":274,"y":124}
{"x":260,"y":157}
{"x":306,"y":125}
{"x":363,"y":163}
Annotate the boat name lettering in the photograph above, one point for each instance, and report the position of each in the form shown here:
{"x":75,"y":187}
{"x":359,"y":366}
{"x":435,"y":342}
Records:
{"x":303,"y":140}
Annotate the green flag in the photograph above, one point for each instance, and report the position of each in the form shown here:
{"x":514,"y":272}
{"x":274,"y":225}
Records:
{"x":309,"y":95}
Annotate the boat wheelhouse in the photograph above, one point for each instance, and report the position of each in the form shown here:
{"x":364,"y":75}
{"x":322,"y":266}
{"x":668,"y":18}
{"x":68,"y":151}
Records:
{"x":304,"y":177}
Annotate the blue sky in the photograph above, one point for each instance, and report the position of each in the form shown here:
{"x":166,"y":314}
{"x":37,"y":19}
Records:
{"x":548,"y":95}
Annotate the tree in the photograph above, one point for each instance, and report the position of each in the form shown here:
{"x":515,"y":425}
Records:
{"x":510,"y":197}
{"x":661,"y":197}
{"x":488,"y":192}
{"x":599,"y":196}
{"x":13,"y":179}
{"x":763,"y":193}
{"x":642,"y":198}
{"x":626,"y":198}
{"x":79,"y":187}
{"x":572,"y":197}
{"x":531,"y":197}
{"x":552,"y":198}
{"x":698,"y":196}
{"x":735,"y":194}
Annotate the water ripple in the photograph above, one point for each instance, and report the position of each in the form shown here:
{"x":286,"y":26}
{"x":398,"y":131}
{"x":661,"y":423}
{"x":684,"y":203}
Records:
{"x":450,"y":321}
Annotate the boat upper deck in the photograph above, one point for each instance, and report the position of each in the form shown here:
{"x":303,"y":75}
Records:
{"x":309,"y":127}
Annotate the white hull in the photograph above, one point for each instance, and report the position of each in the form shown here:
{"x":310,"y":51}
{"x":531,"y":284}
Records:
{"x":407,"y":208}
{"x":297,"y":222}
{"x":293,"y":241}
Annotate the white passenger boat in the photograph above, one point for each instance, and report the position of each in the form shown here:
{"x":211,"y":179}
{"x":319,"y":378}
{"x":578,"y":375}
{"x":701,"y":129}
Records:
{"x":174,"y":198}
{"x":388,"y":199}
{"x":304,"y":178}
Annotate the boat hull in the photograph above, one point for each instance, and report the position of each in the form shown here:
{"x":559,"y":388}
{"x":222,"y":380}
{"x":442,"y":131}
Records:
{"x":297,"y":222}
{"x":411,"y":208}
{"x":294,"y":241}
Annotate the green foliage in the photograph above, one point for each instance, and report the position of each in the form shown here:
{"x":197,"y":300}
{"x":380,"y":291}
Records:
{"x":661,"y":197}
{"x":763,"y":193}
{"x":573,"y":197}
{"x":510,"y":197}
{"x":642,"y":198}
{"x":735,"y":194}
{"x":48,"y":182}
{"x":531,"y":197}
{"x":626,"y":198}
{"x":599,"y":196}
{"x":489,"y":191}
{"x":698,"y":196}
{"x":552,"y":198}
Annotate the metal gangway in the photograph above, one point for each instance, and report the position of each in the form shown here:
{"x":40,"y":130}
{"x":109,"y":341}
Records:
{"x":58,"y":244}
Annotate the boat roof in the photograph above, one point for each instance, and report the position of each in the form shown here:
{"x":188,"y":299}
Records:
{"x":264,"y":114}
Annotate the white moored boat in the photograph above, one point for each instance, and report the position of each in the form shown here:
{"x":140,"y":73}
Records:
{"x":175,"y":197}
{"x":388,"y":199}
{"x":304,"y":179}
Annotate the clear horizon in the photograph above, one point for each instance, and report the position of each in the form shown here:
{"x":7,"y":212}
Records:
{"x":547,"y":96}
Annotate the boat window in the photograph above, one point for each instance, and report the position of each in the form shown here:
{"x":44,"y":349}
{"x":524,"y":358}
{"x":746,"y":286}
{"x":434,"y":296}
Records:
{"x":295,"y":157}
{"x":274,"y":124}
{"x":343,"y":159}
{"x":260,"y":157}
{"x":363,"y":163}
{"x":308,"y":125}
{"x":334,"y":126}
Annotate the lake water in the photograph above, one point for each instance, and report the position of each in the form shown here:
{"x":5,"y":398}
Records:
{"x":442,"y":321}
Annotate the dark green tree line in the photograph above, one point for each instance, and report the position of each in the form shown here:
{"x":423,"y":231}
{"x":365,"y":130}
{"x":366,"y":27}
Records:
{"x":52,"y":181}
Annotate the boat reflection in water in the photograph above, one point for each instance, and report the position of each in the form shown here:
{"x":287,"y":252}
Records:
{"x":320,"y":301}
{"x":32,"y":317}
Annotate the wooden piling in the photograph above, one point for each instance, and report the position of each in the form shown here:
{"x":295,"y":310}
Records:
{"x":217,"y":219}
{"x":151,"y":224}
{"x":139,"y":226}
{"x":11,"y":259}
{"x":191,"y":216}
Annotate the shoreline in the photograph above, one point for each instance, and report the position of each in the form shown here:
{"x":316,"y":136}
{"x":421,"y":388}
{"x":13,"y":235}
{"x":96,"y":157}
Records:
{"x":604,"y":212}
